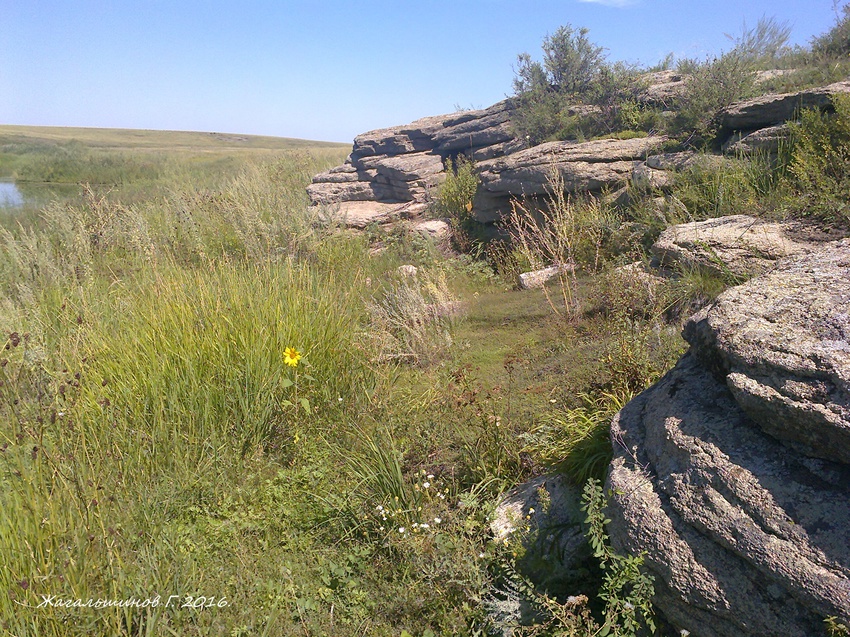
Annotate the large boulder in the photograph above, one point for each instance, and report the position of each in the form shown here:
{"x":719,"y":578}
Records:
{"x":765,"y":140}
{"x":782,"y":343}
{"x":737,"y":245}
{"x":732,"y":473}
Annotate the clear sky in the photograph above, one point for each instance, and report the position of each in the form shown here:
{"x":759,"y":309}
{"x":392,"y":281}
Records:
{"x":328,"y":69}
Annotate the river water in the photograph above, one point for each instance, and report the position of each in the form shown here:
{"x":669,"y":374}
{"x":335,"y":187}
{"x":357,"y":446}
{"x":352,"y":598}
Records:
{"x":18,"y":197}
{"x":10,"y":195}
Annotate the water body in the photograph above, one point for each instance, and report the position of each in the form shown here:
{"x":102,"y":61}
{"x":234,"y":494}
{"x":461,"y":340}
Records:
{"x":14,"y":197}
{"x":10,"y":195}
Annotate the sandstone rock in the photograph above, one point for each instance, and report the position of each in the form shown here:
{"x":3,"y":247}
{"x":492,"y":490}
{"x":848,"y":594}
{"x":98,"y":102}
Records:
{"x":407,"y":270}
{"x":745,"y":537}
{"x":769,"y":110}
{"x":663,"y":87}
{"x":548,"y":507}
{"x":538,"y":278}
{"x":648,"y":178}
{"x":772,"y":74}
{"x":766,"y":140}
{"x":462,"y":131}
{"x":434,"y":228}
{"x":782,"y":344}
{"x":583,"y":166}
{"x":403,"y":163}
{"x":739,"y":245}
{"x":359,"y":214}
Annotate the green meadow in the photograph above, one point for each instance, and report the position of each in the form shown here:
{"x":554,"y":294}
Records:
{"x":156,"y":447}
{"x":221,"y":413}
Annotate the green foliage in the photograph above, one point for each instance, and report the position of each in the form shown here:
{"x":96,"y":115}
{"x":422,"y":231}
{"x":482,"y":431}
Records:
{"x":714,"y":84}
{"x":454,"y":201}
{"x":575,"y":71}
{"x":627,"y":591}
{"x":576,"y":440}
{"x":820,"y":161}
{"x":717,"y":187}
{"x":835,"y":42}
{"x":836,"y":628}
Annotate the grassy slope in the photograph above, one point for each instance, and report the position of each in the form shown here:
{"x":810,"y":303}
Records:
{"x":154,"y":140}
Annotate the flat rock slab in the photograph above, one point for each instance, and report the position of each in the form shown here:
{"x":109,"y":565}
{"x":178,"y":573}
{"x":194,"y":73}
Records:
{"x":582,"y":165}
{"x":782,"y":344}
{"x":768,"y":110}
{"x":359,"y":214}
{"x":765,"y":140}
{"x":737,"y":245}
{"x":433,"y":228}
{"x":745,"y":537}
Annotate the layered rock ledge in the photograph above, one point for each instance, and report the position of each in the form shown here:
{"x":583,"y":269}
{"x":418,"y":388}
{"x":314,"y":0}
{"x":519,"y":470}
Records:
{"x":733,"y":471}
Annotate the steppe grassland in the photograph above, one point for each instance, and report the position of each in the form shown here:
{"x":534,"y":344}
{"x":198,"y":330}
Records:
{"x":154,"y":442}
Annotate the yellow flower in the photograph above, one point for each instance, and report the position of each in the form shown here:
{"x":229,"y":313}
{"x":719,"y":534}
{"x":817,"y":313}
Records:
{"x":291,"y":356}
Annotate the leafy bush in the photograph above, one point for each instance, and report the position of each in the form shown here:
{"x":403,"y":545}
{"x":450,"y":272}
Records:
{"x":454,"y":200}
{"x":573,"y":71}
{"x":820,"y":161}
{"x":714,"y":84}
{"x":835,"y":42}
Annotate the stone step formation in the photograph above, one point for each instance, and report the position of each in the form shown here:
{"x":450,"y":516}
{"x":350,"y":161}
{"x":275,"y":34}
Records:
{"x":392,"y":173}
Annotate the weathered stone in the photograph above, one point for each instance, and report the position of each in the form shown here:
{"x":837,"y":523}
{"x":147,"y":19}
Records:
{"x":663,"y":88}
{"x":538,"y":278}
{"x":359,"y":214}
{"x":407,"y":270}
{"x":328,"y":193}
{"x":649,"y":178}
{"x":672,"y":161}
{"x":583,"y":166}
{"x":403,"y":163}
{"x":549,"y":508}
{"x":772,"y":74}
{"x":739,"y":245}
{"x":498,"y":150}
{"x":782,"y":343}
{"x":404,"y":168}
{"x":768,"y":110}
{"x":744,"y":536}
{"x":765,"y":140}
{"x":433,"y":228}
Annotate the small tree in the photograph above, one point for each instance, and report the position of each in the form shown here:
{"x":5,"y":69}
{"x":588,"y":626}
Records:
{"x":572,"y":61}
{"x":574,"y":71}
{"x":836,"y":41}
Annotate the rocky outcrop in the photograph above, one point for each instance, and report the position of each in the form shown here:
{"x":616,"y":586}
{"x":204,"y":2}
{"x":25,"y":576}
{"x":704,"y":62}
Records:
{"x":732,"y":473}
{"x":663,"y":88}
{"x":581,"y":166}
{"x":537,"y":278}
{"x":738,"y":245}
{"x":547,"y":513}
{"x":766,"y":140}
{"x":783,"y":345}
{"x":402,"y":164}
{"x":769,"y":110}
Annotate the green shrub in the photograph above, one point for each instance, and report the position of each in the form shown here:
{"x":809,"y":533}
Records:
{"x":835,"y":42}
{"x":454,"y":201}
{"x":714,"y":84}
{"x":574,"y":71}
{"x":820,"y":161}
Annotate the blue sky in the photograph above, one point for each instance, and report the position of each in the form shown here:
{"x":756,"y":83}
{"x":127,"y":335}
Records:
{"x":327,"y":69}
